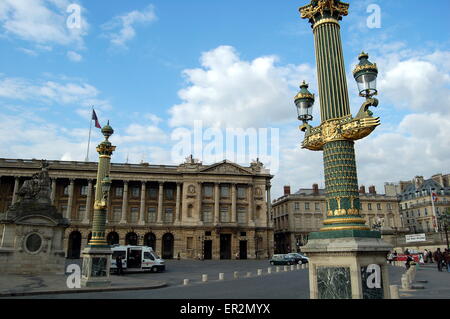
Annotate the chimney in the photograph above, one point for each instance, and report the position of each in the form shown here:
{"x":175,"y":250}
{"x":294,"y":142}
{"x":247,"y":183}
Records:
{"x":362,"y":189}
{"x":315,"y":188}
{"x":287,"y":190}
{"x":418,"y":181}
{"x":372,"y":190}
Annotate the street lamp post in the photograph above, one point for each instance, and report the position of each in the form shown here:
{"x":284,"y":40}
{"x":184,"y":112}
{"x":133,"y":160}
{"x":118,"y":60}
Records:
{"x":96,"y":256}
{"x":344,"y":239}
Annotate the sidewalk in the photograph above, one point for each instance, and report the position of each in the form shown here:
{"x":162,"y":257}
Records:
{"x":26,"y":285}
{"x":437,"y":287}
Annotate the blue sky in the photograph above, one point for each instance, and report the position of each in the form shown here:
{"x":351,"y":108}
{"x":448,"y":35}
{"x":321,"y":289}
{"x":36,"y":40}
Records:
{"x":151,"y":67}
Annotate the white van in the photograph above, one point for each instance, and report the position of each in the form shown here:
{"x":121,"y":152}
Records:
{"x":136,"y":258}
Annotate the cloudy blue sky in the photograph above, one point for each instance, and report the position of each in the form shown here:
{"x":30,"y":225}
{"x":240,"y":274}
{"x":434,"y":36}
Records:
{"x":154,"y":67}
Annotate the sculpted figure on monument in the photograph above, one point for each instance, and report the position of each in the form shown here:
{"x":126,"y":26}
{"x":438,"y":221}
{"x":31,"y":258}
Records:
{"x":38,"y":187}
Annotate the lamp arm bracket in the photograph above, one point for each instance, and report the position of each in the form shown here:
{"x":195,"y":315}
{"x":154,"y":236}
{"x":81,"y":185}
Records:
{"x":364,"y":109}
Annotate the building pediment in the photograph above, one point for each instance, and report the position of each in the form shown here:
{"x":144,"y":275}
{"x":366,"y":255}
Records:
{"x":226,"y":168}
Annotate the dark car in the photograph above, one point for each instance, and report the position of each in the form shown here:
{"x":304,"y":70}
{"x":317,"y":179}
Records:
{"x":299,"y":258}
{"x":282,"y":259}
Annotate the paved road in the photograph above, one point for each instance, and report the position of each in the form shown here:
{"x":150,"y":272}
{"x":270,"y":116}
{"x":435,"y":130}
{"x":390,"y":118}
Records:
{"x":283,"y":285}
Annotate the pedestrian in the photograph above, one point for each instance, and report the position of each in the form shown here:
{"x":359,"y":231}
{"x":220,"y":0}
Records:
{"x":409,"y":259}
{"x":395,"y":255}
{"x":425,"y":255}
{"x":446,"y":259}
{"x":178,"y":257}
{"x":430,"y":256}
{"x":406,"y":251}
{"x":237,"y":255}
{"x":438,"y":257}
{"x":390,"y":257}
{"x":119,"y":265}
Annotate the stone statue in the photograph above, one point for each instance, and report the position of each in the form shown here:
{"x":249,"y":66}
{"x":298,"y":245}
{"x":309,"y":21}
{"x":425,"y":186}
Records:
{"x":38,"y":188}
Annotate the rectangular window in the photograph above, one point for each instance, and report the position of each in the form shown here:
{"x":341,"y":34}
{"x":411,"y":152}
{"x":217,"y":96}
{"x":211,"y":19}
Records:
{"x":241,"y":215}
{"x":296,"y":206}
{"x":378,"y":206}
{"x":117,"y":214}
{"x":81,"y":212}
{"x":135,"y":191}
{"x":66,"y":191}
{"x":369,"y":206}
{"x":189,"y":242}
{"x":317,"y":206}
{"x":418,"y":213}
{"x":241,"y":192}
{"x":207,"y":191}
{"x":207,"y":214}
{"x":151,"y":215}
{"x":389,"y":206}
{"x":134,"y":214}
{"x":426,"y":212}
{"x":84,"y":190}
{"x":168,"y":216}
{"x":169,"y":193}
{"x":118,"y":192}
{"x":224,"y":215}
{"x":307,"y":206}
{"x":64,"y":210}
{"x":152,"y":193}
{"x":224,"y":191}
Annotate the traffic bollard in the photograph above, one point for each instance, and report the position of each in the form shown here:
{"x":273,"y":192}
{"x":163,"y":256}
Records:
{"x":204,"y":278}
{"x":186,"y":282}
{"x":277,"y":268}
{"x":221,"y":276}
{"x":298,"y":266}
{"x":292,"y":267}
{"x":285,"y":268}
{"x":249,"y":274}
{"x":269,"y":270}
{"x":259,"y":272}
{"x":236,"y":275}
{"x":394,"y":292}
{"x":405,"y":282}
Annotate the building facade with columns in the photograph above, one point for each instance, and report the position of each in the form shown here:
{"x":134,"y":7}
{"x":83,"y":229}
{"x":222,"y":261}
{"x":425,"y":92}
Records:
{"x":295,"y":215}
{"x":192,"y":210}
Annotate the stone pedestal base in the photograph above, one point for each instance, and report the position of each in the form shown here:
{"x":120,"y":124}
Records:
{"x":348,"y":268}
{"x":96,"y":266}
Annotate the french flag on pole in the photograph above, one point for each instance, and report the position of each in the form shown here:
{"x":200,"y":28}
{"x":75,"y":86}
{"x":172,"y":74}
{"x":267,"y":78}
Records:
{"x":434,"y":197}
{"x":94,"y":117}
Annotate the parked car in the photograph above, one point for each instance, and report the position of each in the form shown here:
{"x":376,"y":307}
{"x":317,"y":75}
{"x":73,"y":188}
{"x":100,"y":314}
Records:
{"x":282,"y":259}
{"x":299,"y":258}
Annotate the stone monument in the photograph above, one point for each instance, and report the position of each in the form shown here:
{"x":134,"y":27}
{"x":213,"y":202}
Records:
{"x":32,"y":230}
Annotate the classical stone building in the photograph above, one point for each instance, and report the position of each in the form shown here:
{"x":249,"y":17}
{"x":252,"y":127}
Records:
{"x":187,"y":211}
{"x":296,"y":215}
{"x":417,"y":210}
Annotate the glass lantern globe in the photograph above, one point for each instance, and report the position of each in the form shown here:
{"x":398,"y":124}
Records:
{"x":304,"y":102}
{"x":365,"y":74}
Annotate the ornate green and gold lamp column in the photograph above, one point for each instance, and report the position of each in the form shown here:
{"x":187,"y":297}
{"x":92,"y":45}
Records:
{"x":97,"y":254}
{"x":344,"y":239}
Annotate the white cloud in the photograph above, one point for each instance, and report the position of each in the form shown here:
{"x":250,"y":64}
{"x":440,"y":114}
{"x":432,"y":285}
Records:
{"x":228,"y":91}
{"x":42,"y":22}
{"x":122,"y":28}
{"x":51,"y":92}
{"x":74,"y":57}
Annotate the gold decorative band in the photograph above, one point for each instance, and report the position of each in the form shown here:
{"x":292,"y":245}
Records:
{"x":342,"y":212}
{"x":345,"y":228}
{"x":344,"y":220}
{"x":327,"y":20}
{"x":105,"y":156}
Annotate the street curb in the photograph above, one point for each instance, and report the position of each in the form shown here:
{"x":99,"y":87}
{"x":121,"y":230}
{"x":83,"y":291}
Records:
{"x":82,"y":290}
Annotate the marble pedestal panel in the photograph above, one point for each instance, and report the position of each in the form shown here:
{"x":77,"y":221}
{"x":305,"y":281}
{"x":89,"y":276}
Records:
{"x":96,"y":267}
{"x":348,"y":268}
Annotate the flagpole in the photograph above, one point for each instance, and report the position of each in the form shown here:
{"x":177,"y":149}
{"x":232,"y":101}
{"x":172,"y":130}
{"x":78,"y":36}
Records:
{"x":89,"y":139}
